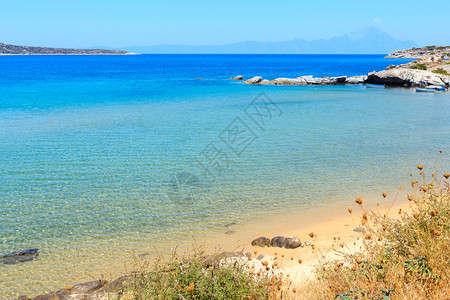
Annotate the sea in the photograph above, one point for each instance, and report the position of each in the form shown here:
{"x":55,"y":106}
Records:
{"x":106,"y":158}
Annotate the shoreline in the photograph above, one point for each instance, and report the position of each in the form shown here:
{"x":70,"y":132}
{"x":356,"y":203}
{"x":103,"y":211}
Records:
{"x":327,"y":225}
{"x":340,"y":225}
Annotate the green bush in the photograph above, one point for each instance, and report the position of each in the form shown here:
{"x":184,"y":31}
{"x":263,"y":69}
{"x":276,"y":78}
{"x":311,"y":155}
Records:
{"x":440,"y":71}
{"x":419,"y":67}
{"x":194,"y":277}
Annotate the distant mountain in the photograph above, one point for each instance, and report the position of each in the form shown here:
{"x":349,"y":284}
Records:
{"x":365,"y":41}
{"x":7,"y":49}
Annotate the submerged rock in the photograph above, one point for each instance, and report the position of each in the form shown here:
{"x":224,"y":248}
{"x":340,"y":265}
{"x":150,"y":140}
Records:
{"x":19,"y":256}
{"x":230,"y":224}
{"x":87,"y":290}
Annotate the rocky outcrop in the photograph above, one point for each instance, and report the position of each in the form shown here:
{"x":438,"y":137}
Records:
{"x":440,"y":51}
{"x":356,"y":79}
{"x":394,"y":76}
{"x":239,"y":77}
{"x":407,"y":77}
{"x":254,"y":80}
{"x":308,"y":80}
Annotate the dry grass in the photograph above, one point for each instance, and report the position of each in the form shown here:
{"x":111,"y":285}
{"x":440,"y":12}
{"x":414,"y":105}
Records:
{"x":403,"y":256}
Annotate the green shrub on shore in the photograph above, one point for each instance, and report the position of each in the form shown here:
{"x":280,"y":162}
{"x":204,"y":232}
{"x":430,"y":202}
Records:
{"x":440,"y":71}
{"x":405,"y":257}
{"x":194,"y":277}
{"x":419,"y":67}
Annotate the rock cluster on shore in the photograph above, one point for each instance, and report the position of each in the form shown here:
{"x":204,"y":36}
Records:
{"x":278,"y":241}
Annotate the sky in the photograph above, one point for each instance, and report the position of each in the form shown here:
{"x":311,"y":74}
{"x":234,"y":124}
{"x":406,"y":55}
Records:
{"x":113,"y":23}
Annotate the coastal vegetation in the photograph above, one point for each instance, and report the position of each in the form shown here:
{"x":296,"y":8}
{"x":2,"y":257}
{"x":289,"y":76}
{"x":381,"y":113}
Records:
{"x":441,"y":71}
{"x":419,"y":67}
{"x":197,"y":276}
{"x":403,"y":257}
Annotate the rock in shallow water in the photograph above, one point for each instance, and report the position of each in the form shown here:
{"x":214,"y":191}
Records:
{"x":87,"y":290}
{"x":254,"y":80}
{"x":19,"y":256}
{"x":230,"y":224}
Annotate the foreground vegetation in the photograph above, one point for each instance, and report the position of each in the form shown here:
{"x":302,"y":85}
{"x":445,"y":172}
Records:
{"x":199,"y":277}
{"x":404,"y":255}
{"x":440,"y":71}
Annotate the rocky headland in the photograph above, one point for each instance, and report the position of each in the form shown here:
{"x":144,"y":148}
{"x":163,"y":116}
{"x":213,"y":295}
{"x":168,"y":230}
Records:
{"x":441,"y":51}
{"x":428,"y":70}
{"x":7,"y":49}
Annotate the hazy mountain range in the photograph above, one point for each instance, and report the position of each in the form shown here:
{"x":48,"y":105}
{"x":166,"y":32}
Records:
{"x":369,"y":40}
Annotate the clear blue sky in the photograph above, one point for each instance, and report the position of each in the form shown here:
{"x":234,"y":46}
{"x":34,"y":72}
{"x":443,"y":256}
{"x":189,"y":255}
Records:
{"x":112,"y":23}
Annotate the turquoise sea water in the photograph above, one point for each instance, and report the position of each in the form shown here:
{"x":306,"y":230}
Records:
{"x":105,"y":156}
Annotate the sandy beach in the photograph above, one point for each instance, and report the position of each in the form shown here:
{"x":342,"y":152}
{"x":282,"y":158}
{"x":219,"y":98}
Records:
{"x":333,"y":235}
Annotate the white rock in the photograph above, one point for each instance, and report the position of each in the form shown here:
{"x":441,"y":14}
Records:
{"x":254,"y":80}
{"x":408,"y":77}
{"x":356,"y":79}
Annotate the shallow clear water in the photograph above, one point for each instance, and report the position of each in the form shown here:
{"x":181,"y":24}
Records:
{"x":105,"y":156}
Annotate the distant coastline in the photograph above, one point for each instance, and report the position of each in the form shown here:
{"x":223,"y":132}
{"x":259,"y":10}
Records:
{"x":416,"y":53}
{"x":7,"y":49}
